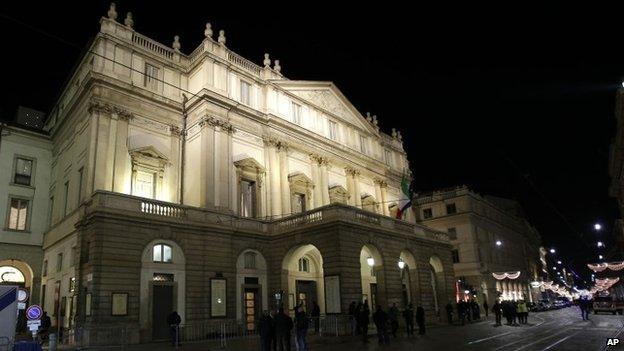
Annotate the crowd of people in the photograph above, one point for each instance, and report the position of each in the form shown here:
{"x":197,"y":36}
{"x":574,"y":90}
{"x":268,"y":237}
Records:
{"x":275,"y":329}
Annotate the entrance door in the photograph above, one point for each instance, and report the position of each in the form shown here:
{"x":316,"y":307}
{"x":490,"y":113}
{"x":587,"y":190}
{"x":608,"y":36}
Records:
{"x":306,"y":294}
{"x":373,"y":297}
{"x":252,"y":308}
{"x":162,"y":306}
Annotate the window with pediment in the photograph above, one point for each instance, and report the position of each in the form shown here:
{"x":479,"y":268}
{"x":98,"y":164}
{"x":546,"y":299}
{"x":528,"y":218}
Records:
{"x":338,"y":194}
{"x":148,"y":169}
{"x":300,"y":192}
{"x":250,"y":174}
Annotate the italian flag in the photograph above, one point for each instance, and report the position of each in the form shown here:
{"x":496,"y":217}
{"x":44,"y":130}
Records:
{"x":406,"y":201}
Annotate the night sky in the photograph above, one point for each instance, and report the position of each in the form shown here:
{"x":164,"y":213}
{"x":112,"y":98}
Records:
{"x":517,"y":104}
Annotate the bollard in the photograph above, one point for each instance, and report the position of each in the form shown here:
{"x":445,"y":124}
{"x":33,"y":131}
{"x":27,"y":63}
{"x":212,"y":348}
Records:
{"x":52,"y":342}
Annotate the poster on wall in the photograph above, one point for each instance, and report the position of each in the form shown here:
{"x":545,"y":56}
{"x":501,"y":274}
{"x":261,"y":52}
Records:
{"x":217,"y":297}
{"x":332,"y":294}
{"x":88,"y":304}
{"x":119,"y":304}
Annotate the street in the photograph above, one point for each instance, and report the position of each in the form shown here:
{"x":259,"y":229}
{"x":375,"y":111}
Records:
{"x":553,"y":330}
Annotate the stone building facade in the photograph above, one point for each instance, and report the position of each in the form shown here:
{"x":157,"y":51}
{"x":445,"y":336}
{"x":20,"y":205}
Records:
{"x":219,"y":188}
{"x":25,"y":158}
{"x":489,"y":235}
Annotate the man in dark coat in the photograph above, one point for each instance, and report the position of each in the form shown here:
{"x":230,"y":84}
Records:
{"x":316,"y":315}
{"x":393,"y":316}
{"x":498,"y":313}
{"x":363,"y":320}
{"x":485,"y":307}
{"x":173,"y":320}
{"x":353,"y":317}
{"x":283,"y":327}
{"x":381,"y":322}
{"x":449,"y":313}
{"x":301,"y":328}
{"x":420,"y":319}
{"x":408,"y":315}
{"x":265,"y":329}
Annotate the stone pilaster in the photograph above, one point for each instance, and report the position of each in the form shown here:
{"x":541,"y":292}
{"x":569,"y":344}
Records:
{"x":284,"y":183}
{"x":316,"y":178}
{"x":121,"y":175}
{"x":275,"y":190}
{"x":323,"y":164}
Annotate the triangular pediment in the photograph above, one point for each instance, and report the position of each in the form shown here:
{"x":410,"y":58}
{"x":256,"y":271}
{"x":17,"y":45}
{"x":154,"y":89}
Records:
{"x":327,"y":97}
{"x":149,"y":151}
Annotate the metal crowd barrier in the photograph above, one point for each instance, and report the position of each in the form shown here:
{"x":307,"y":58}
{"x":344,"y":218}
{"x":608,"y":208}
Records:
{"x":96,"y":338}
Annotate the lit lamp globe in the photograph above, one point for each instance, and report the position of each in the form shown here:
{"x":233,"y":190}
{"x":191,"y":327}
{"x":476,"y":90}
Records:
{"x":401,"y":263}
{"x":466,"y":292}
{"x":552,"y":251}
{"x":597,"y":226}
{"x":370,"y":261}
{"x":499,"y":243}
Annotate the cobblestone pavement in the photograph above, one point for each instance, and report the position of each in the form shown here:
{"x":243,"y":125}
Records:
{"x":553,"y":330}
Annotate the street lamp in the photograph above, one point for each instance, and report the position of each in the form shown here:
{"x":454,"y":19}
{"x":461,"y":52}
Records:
{"x":600,"y":257}
{"x":558,"y":262}
{"x":466,"y":292}
{"x":554,"y":268}
{"x":499,"y":243}
{"x":600,"y":244}
{"x":401,"y":263}
{"x":552,"y":251}
{"x":370,"y":261}
{"x":597,"y":226}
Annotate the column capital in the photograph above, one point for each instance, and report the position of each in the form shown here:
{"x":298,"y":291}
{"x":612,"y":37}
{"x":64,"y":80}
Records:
{"x":175,"y":130}
{"x":213,"y":122}
{"x":321,"y":160}
{"x":352,"y":171}
{"x":103,"y":107}
{"x":381,"y":182}
{"x":275,"y":142}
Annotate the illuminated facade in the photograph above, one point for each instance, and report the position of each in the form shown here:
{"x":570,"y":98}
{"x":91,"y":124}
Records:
{"x":25,"y":158}
{"x":490,"y":237}
{"x":208,"y":184}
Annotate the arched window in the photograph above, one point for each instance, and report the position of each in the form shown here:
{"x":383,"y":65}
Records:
{"x":304,"y":265}
{"x":10,"y":274}
{"x":162,"y":253}
{"x":250,"y":260}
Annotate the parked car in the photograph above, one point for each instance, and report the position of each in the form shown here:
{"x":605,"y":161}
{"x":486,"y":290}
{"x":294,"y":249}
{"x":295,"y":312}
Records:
{"x":541,"y":306}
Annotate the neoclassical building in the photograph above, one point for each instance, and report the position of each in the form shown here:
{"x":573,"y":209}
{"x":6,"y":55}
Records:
{"x":490,"y":237}
{"x":210,"y":185}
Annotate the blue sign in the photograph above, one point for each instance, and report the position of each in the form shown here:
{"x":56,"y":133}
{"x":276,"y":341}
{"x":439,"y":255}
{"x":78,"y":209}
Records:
{"x":34,"y":312}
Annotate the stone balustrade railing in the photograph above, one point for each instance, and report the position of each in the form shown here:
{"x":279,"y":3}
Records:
{"x":243,"y":63}
{"x":152,"y":46}
{"x":336,"y":212}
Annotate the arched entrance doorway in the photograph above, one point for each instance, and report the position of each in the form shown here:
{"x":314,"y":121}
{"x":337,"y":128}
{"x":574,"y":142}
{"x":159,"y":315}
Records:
{"x":302,"y":278}
{"x":18,"y":273}
{"x":251,"y":287}
{"x":408,"y":276}
{"x":437,"y":283}
{"x":163,"y":280}
{"x":371,"y":269}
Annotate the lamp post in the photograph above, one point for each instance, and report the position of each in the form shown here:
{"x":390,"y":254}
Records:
{"x":370,"y":261}
{"x":401,"y":263}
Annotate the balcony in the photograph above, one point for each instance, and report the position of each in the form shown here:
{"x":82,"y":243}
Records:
{"x":133,"y":206}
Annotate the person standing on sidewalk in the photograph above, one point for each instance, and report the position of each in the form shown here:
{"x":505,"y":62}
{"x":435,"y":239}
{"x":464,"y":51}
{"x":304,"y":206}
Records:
{"x":393,"y":315}
{"x":420,"y":319}
{"x":449,"y":312}
{"x":301,"y":328}
{"x":485,"y":308}
{"x":408,"y":315}
{"x":363,"y":320}
{"x":316,"y":315}
{"x":498,"y":313}
{"x":381,"y":322}
{"x":173,"y":320}
{"x":283,"y":328}
{"x":265,"y":329}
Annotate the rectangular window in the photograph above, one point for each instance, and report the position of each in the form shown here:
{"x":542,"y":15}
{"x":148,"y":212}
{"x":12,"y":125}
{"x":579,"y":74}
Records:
{"x":296,"y":113}
{"x":144,"y":184}
{"x":450,"y":208}
{"x":452,"y":233}
{"x":51,"y":213}
{"x":245,"y":90}
{"x":23,"y":171}
{"x":298,"y":204}
{"x":66,"y":199}
{"x":363,"y":144}
{"x":59,"y":262}
{"x":72,"y":284}
{"x":80,"y":179}
{"x":333,"y":130}
{"x":388,"y":157}
{"x":250,"y":260}
{"x":427,"y":213}
{"x":455,"y":254}
{"x":18,"y":214}
{"x":151,"y":77}
{"x":247,"y":198}
{"x":45,"y":268}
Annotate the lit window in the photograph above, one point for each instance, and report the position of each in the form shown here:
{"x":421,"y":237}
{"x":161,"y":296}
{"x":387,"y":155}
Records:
{"x":451,"y":208}
{"x":247,"y":198}
{"x":363,"y":144}
{"x":333,"y":130}
{"x":245,"y":89}
{"x":151,"y":77}
{"x":427,"y":213}
{"x":250,"y":260}
{"x":296,"y":113}
{"x":72,"y":284}
{"x":161,"y":253}
{"x":9,"y":274}
{"x":18,"y":214}
{"x":304,"y":265}
{"x":23,"y":171}
{"x":144,"y":185}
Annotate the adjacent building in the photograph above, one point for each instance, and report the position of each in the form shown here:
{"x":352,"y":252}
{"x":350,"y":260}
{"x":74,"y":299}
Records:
{"x":210,"y":185}
{"x":496,"y":252}
{"x":25,"y":161}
